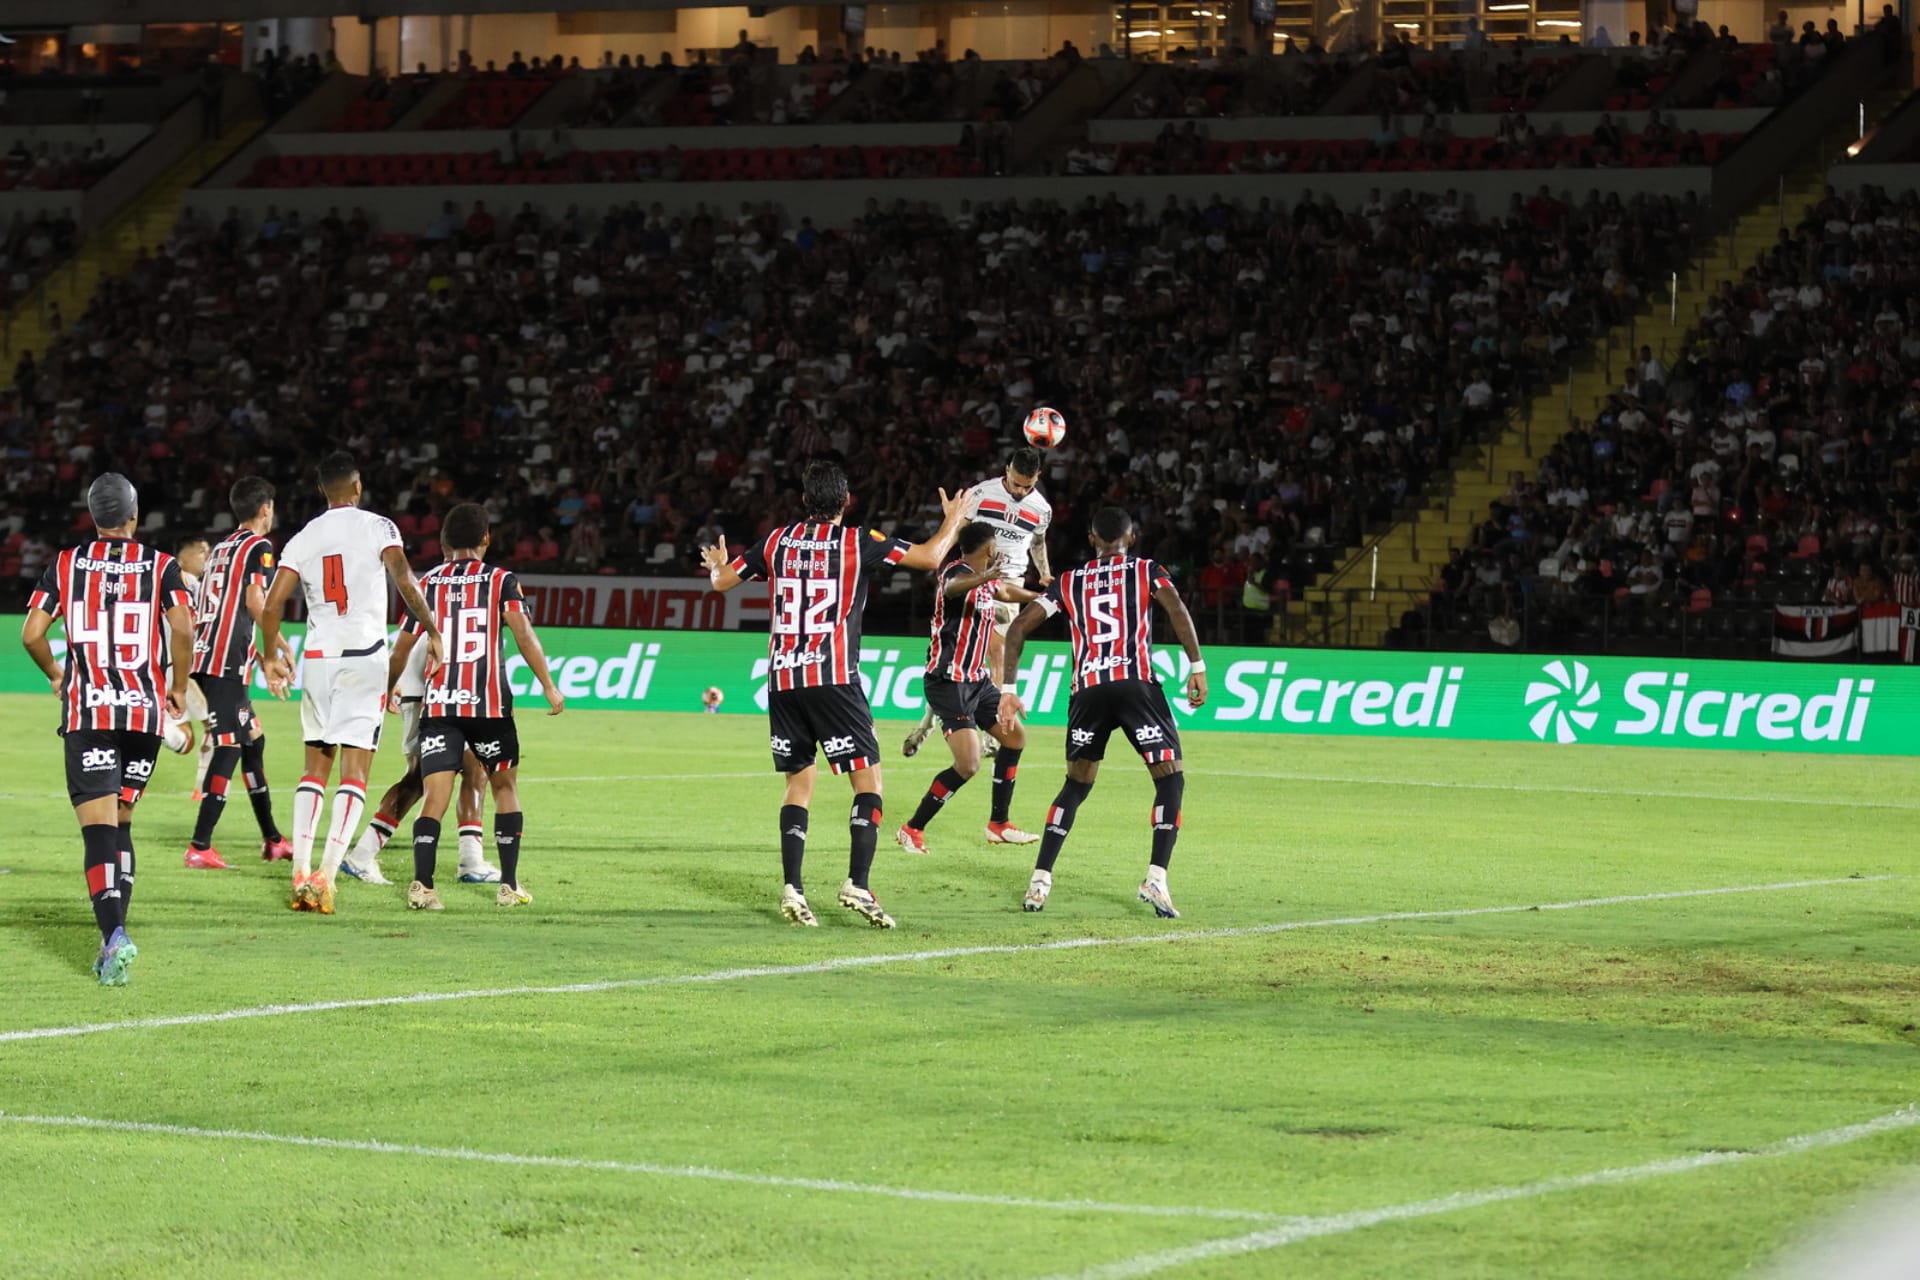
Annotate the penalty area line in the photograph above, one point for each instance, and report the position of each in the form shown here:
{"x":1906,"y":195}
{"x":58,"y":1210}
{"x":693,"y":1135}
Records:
{"x":697,"y":1172}
{"x":839,"y":963}
{"x":1296,"y":1230}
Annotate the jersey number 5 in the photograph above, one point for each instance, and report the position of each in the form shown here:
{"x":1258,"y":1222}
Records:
{"x":333,"y":582}
{"x":1103,"y":612}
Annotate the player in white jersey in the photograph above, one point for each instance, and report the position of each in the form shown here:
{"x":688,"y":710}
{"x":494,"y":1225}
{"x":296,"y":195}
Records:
{"x":1020,"y":515}
{"x":341,"y":562}
{"x":364,"y":862}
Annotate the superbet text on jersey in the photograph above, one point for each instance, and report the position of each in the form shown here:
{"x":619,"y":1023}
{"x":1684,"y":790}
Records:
{"x":114,"y":594}
{"x":222,"y":627}
{"x":818,"y":574}
{"x":470,"y":601}
{"x":1109,"y":607}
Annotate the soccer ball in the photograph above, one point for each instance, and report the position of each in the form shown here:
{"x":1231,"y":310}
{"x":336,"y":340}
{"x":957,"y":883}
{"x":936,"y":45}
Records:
{"x":712,"y":699}
{"x":1045,"y":427}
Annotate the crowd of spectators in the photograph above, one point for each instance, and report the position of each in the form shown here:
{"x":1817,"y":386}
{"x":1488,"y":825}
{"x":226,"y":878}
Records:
{"x":49,"y":166}
{"x":1777,"y":457}
{"x":30,"y":248}
{"x":620,"y":389}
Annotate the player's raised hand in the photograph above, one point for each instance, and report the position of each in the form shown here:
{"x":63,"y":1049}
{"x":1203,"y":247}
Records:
{"x":1197,"y":689}
{"x":715,"y":557}
{"x":955,"y":507}
{"x":996,"y":565}
{"x":1011,"y":709}
{"x":556,"y":703}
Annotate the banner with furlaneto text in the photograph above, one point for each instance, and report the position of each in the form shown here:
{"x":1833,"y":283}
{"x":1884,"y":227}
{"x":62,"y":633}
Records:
{"x":1753,"y":706}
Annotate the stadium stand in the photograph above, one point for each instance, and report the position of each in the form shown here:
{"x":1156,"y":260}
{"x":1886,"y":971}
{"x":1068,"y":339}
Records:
{"x":1775,"y":460}
{"x":633,"y":356}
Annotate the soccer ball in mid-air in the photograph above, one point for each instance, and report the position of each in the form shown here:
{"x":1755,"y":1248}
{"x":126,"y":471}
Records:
{"x":1045,"y":427}
{"x":712,"y":699}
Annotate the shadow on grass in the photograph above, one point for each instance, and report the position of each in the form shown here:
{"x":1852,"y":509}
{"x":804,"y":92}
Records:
{"x":70,"y":937}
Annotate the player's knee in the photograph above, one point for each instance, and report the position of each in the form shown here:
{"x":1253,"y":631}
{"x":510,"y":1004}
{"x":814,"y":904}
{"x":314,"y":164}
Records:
{"x":967,"y":767}
{"x":1165,"y":769}
{"x":1083,"y":771}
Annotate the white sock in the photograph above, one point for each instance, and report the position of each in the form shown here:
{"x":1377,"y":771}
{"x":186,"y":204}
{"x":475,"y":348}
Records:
{"x":307,"y":799}
{"x":1157,"y":875}
{"x":372,"y":841}
{"x":349,"y":798}
{"x":200,"y":766}
{"x":473,"y":849}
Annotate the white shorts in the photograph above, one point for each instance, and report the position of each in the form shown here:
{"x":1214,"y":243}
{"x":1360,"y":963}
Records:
{"x":410,"y":727}
{"x":342,"y":701}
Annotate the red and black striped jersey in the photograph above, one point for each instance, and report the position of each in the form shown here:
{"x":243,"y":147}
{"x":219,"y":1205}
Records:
{"x":1109,"y":606}
{"x":470,"y":600}
{"x":818,"y":574}
{"x":962,"y":627}
{"x":114,"y":594}
{"x":222,"y":627}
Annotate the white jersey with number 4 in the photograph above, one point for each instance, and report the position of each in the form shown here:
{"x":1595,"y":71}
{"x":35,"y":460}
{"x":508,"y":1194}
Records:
{"x":344,"y":580}
{"x":1016,"y":522}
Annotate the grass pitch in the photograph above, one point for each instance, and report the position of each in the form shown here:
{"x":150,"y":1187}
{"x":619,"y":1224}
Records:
{"x":927,"y":1117}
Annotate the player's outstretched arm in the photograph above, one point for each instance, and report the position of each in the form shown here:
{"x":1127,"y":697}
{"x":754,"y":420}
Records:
{"x":279,"y":670}
{"x":536,"y":660}
{"x":33,"y":636}
{"x":1011,"y":708}
{"x":409,"y":588}
{"x":1040,"y":565}
{"x":963,"y":584}
{"x":931,"y":554}
{"x":719,"y":567}
{"x":1169,"y":599}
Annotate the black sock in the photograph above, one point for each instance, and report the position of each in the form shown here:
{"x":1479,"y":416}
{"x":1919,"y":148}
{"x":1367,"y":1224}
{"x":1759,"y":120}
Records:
{"x":1167,"y":793}
{"x":1060,"y":821}
{"x":1006,"y":766}
{"x":506,"y":842}
{"x":864,"y":824}
{"x":426,"y":849}
{"x":102,"y":844}
{"x":945,"y":783}
{"x":253,"y":765}
{"x":793,"y":843}
{"x":214,"y":803}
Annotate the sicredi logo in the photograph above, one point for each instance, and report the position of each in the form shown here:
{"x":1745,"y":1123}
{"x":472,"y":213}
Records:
{"x":1563,"y":702}
{"x":1263,"y":690}
{"x":1668,"y":704}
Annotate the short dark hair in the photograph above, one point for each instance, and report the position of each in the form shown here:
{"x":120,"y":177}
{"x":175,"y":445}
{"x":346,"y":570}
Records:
{"x":975,"y":536}
{"x":191,"y":538}
{"x":337,"y":468}
{"x":1110,"y":524}
{"x":823,"y":490}
{"x":1025,"y":461}
{"x":248,"y":495}
{"x":465,"y":527}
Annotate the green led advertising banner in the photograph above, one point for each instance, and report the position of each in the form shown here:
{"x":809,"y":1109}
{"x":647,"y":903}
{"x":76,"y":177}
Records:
{"x":1755,"y":706}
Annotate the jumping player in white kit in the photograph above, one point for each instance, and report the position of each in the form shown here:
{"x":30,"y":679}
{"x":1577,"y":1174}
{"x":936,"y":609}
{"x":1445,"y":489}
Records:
{"x":341,"y":562}
{"x":1020,"y":515}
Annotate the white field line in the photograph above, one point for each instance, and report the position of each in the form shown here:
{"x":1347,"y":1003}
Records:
{"x":838,"y":963}
{"x":700,"y":1172}
{"x":1295,"y":1230}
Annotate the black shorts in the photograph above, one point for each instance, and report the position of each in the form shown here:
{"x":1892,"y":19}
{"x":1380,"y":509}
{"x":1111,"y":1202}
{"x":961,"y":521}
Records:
{"x":229,"y":710}
{"x":444,"y":740}
{"x":971,"y":704}
{"x":1135,"y":707}
{"x":835,"y":717}
{"x":109,"y":762}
